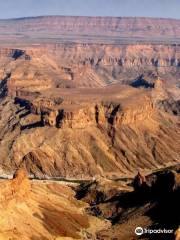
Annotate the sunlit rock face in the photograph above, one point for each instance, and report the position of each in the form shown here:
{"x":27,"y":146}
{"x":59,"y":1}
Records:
{"x":82,"y":133}
{"x":39,"y":68}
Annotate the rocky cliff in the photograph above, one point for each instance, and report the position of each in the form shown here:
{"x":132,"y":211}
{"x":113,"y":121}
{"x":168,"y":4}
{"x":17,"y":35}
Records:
{"x":110,"y":132}
{"x":78,"y":65}
{"x":18,"y":188}
{"x":90,"y":29}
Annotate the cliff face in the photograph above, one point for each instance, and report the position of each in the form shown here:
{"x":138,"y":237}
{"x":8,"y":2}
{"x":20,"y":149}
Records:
{"x":102,"y":114}
{"x":71,"y":109}
{"x":123,"y":55}
{"x":90,"y":65}
{"x":18,"y":188}
{"x":81,"y":137}
{"x":97,"y":28}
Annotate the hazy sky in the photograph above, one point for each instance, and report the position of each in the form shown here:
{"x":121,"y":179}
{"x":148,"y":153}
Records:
{"x":150,"y":8}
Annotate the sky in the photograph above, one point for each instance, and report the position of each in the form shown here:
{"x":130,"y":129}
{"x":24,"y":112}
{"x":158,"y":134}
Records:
{"x":142,"y":8}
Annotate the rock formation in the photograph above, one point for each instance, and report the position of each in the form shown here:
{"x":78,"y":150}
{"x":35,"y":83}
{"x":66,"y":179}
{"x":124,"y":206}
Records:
{"x":61,"y":136}
{"x":16,"y":189}
{"x":128,"y":208}
{"x":163,"y":100}
{"x":90,"y":65}
{"x":80,"y":102}
{"x":112,"y":29}
{"x":32,"y":210}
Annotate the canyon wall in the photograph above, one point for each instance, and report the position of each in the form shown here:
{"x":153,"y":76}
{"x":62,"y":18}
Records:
{"x":104,"y":114}
{"x":83,"y":138}
{"x":103,"y":29}
{"x":88,"y":65}
{"x":126,"y":55}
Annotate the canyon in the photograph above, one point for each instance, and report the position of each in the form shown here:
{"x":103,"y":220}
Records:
{"x":86,"y":104}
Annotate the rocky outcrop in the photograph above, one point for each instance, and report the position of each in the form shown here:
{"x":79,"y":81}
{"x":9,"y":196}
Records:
{"x":15,"y":189}
{"x":158,"y":184}
{"x":102,"y":113}
{"x":160,"y":92}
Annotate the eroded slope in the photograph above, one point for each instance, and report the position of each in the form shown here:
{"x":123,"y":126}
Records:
{"x":81,"y":133}
{"x":32,"y":210}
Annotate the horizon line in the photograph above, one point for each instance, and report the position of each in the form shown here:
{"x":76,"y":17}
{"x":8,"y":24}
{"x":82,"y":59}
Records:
{"x":108,"y":16}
